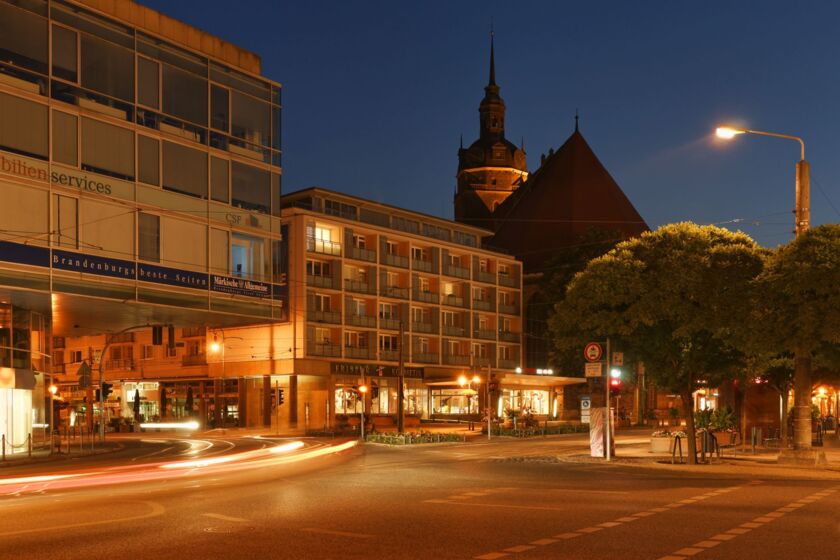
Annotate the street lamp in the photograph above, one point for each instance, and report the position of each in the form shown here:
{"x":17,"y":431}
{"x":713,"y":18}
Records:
{"x":53,"y":390}
{"x":802,"y":361}
{"x":363,"y":389}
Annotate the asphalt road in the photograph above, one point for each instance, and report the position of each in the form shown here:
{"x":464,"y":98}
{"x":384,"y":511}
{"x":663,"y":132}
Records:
{"x":478,"y":500}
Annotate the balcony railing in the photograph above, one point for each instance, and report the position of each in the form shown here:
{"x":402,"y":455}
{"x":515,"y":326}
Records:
{"x":483,"y":276}
{"x":394,"y":292}
{"x":127,"y":363}
{"x":360,"y":321}
{"x":509,"y":309}
{"x":453,"y":300}
{"x":456,"y":360}
{"x":322,"y":246}
{"x":360,"y":254}
{"x":426,"y":297}
{"x":508,"y":364}
{"x":324,"y":349}
{"x":322,"y":281}
{"x":452,"y":330}
{"x":358,"y":353}
{"x":423,"y":327}
{"x":323,"y":316}
{"x":456,"y":271}
{"x":389,"y":355}
{"x":420,"y":265}
{"x":508,"y":336}
{"x":194,"y":360}
{"x":389,"y":323}
{"x":486,"y":334}
{"x":424,"y":357}
{"x":509,"y":281}
{"x":395,"y":260}
{"x":358,"y":287}
{"x":482,"y":305}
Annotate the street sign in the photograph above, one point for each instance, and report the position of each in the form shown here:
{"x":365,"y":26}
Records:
{"x":593,"y":352}
{"x":592,"y":369}
{"x":618,"y":358}
{"x":84,"y":375}
{"x":585,"y":407}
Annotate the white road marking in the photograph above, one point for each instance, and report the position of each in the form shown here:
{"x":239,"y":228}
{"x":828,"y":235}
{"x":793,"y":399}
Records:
{"x":225,"y":517}
{"x":337,"y":533}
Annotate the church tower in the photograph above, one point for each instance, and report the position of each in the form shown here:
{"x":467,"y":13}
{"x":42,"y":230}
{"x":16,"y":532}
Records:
{"x":492,"y":167}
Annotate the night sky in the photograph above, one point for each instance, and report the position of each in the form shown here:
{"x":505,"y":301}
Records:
{"x":377,"y":93}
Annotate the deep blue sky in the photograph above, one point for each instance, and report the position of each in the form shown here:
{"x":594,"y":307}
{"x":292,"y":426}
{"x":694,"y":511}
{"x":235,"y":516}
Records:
{"x":377,"y":93}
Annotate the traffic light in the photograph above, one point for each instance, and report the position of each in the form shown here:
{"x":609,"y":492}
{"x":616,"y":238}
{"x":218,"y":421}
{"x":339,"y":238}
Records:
{"x":107,"y":389}
{"x":280,"y":399}
{"x":157,"y":335}
{"x":615,"y":382}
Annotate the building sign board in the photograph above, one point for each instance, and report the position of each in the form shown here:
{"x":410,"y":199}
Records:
{"x":371,"y":370}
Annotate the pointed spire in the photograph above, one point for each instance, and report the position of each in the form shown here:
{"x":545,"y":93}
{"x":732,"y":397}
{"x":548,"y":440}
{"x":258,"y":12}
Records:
{"x":462,"y":142}
{"x":577,"y":118}
{"x":492,"y":81}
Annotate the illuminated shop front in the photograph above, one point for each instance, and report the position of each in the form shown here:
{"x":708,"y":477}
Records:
{"x":532,"y":401}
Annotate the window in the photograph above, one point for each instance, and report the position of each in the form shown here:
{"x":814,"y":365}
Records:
{"x":448,"y":289}
{"x":504,"y":298}
{"x":322,"y":302}
{"x":453,"y":348}
{"x":418,"y":315}
{"x":65,"y":51}
{"x":219,"y":179}
{"x":419,"y":254}
{"x":392,"y":279}
{"x":388,"y":342}
{"x":219,"y":108}
{"x":357,"y":307}
{"x":422,"y":345}
{"x":148,"y":352}
{"x":454,"y":260}
{"x":148,"y":237}
{"x":322,"y":336}
{"x":247,"y":256}
{"x":184,"y":95}
{"x":479,"y":294}
{"x":23,"y":38}
{"x":355,"y":339}
{"x":483,"y":265}
{"x":148,"y":160}
{"x":479,"y":350}
{"x":107,"y":68}
{"x":65,"y":148}
{"x":250,"y":119}
{"x":388,"y":311}
{"x":250,"y":187}
{"x":504,"y":270}
{"x":65,"y":221}
{"x":506,"y":324}
{"x":323,"y":233}
{"x":505,"y":353}
{"x":74,"y":357}
{"x":359,"y":241}
{"x":448,"y":318}
{"x":318,"y":268}
{"x":24,"y":128}
{"x":184,"y":170}
{"x":148,"y":82}
{"x":425,"y":285}
{"x":107,"y":149}
{"x":392,"y":247}
{"x":483,"y":323}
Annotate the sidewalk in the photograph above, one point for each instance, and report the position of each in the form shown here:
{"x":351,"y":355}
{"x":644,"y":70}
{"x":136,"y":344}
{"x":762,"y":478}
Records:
{"x":42,"y":454}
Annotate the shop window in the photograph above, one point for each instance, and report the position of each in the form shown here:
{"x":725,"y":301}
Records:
{"x":219,"y":180}
{"x":184,"y":95}
{"x":148,"y":160}
{"x":23,"y":38}
{"x":219,"y":108}
{"x":65,"y":140}
{"x":107,"y":149}
{"x":250,"y":188}
{"x":24,"y":126}
{"x":148,"y":237}
{"x":107,"y":68}
{"x":65,"y":211}
{"x":250,"y":119}
{"x":65,"y":51}
{"x":184,"y":170}
{"x":148,"y":82}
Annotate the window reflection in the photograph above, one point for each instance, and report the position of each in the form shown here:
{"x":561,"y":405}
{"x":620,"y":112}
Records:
{"x":107,"y":68}
{"x":184,"y":95}
{"x":184,"y":170}
{"x":251,"y":119}
{"x":250,"y":187}
{"x":23,"y":39}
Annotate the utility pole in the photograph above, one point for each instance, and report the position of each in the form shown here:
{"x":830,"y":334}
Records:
{"x":489,"y":407}
{"x":400,"y":390}
{"x":801,"y":356}
{"x":607,"y":399}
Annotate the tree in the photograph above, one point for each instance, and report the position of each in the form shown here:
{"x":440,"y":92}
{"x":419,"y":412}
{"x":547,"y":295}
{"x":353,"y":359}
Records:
{"x":800,"y":292}
{"x":675,"y":298}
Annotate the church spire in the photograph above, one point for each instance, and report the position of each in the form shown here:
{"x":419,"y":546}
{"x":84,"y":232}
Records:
{"x":492,"y":81}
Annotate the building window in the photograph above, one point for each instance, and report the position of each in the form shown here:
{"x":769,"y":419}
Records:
{"x":74,"y":357}
{"x":247,"y":256}
{"x":219,"y":179}
{"x":506,"y":324}
{"x":148,"y":82}
{"x":389,"y":311}
{"x":107,"y":68}
{"x":448,"y":289}
{"x":318,"y":268}
{"x":65,"y":50}
{"x":148,"y":160}
{"x":23,"y":38}
{"x":448,"y":318}
{"x":65,"y":221}
{"x":65,"y":140}
{"x":184,"y":95}
{"x":453,"y":348}
{"x":388,"y":342}
{"x":483,"y":266}
{"x":250,"y":188}
{"x":24,"y":126}
{"x":107,"y":149}
{"x":184,"y":170}
{"x":148,"y":237}
{"x":357,"y":307}
{"x":220,"y":108}
{"x":148,"y":352}
{"x":504,"y":270}
{"x":422,"y":345}
{"x":322,"y":336}
{"x":419,"y":254}
{"x":359,"y":241}
{"x":250,"y":119}
{"x":392,"y":247}
{"x":355,"y":339}
{"x":322,"y":302}
{"x":504,"y":298}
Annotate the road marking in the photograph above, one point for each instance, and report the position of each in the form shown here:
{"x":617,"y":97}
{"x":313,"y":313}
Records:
{"x":225,"y":517}
{"x":706,"y":544}
{"x":337,"y":533}
{"x":627,"y":519}
{"x":690,"y":551}
{"x":608,"y":524}
{"x":543,"y":542}
{"x":155,"y":510}
{"x":491,"y":556}
{"x":590,"y":529}
{"x":520,"y":548}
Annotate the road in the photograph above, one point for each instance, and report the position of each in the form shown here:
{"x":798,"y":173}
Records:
{"x":507,"y":499}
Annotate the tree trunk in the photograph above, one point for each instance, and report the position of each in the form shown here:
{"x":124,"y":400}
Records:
{"x":688,"y":407}
{"x":802,"y":399}
{"x":783,"y":429}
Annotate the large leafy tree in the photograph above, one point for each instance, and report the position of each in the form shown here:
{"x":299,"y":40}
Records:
{"x":799,"y":295}
{"x":676,"y":298}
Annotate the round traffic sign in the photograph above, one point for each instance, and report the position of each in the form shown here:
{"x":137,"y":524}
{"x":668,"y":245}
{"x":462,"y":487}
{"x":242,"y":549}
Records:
{"x":593,"y":352}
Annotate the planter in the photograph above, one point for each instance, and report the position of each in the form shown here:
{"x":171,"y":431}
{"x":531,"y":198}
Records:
{"x":661,"y":444}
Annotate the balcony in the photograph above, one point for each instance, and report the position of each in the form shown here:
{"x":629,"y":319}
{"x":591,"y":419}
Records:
{"x":509,"y":281}
{"x":322,"y":282}
{"x":423,"y":327}
{"x":421,"y":266}
{"x":424,"y":357}
{"x":326,"y":349}
{"x":456,"y":271}
{"x":394,"y":292}
{"x":485,"y":334}
{"x":323,"y":316}
{"x":426,"y":297}
{"x":389,"y":323}
{"x":456,"y":360}
{"x":127,"y":363}
{"x":359,"y":287}
{"x":509,"y":309}
{"x":360,"y":321}
{"x":508,"y":336}
{"x":323,"y":247}
{"x":358,"y":353}
{"x":389,"y":355}
{"x":482,"y":305}
{"x":508,"y":364}
{"x":483,"y":276}
{"x":194,"y":360}
{"x":454,"y":301}
{"x":360,"y":254}
{"x":395,"y":260}
{"x":452,"y":330}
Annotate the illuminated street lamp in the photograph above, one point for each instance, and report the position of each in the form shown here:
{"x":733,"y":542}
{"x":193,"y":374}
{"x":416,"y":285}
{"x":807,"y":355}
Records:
{"x":362,"y":390}
{"x":802,"y":360}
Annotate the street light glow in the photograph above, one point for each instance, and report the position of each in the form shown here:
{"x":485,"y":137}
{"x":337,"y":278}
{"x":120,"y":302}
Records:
{"x":53,"y":389}
{"x":615,"y":373}
{"x":728,"y":132}
{"x":462,"y":380}
{"x":476,"y":379}
{"x":363,"y":389}
{"x":215,"y":347}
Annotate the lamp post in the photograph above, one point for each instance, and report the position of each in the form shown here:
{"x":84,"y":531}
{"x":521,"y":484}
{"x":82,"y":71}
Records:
{"x":53,"y":390}
{"x":362,"y":391}
{"x":463,"y":381}
{"x":802,"y":359}
{"x":219,"y":348}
